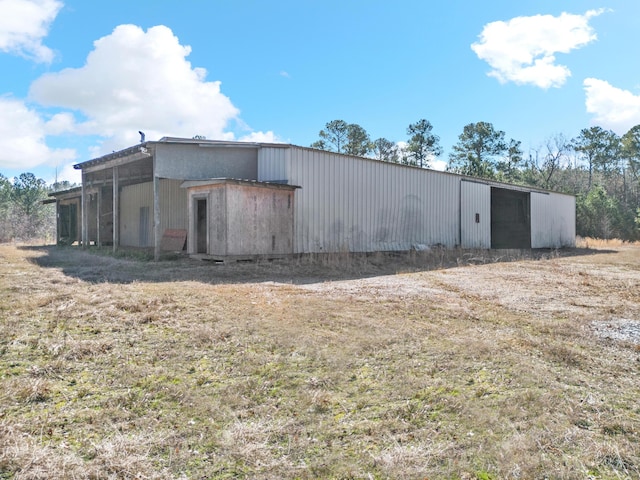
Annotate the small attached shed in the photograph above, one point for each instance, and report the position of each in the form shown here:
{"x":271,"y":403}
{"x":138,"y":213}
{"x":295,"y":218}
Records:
{"x":239,"y":218}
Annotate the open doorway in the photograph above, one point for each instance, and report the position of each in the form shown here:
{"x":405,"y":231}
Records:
{"x":510,"y":218}
{"x":68,"y":224}
{"x":201,"y":226}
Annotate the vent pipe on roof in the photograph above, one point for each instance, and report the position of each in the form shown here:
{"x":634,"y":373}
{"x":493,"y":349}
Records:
{"x":141,"y":136}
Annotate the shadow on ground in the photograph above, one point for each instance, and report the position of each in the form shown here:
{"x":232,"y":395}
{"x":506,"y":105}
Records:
{"x":96,"y":265}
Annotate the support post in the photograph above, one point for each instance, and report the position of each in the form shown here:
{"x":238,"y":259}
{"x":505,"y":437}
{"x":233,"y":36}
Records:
{"x":57,"y":221}
{"x":84,"y":213}
{"x":156,"y":218}
{"x":98,"y":216}
{"x":116,"y":209}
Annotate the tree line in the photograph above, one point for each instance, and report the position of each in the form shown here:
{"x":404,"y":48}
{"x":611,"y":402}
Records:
{"x":23,"y":216}
{"x":599,"y":167}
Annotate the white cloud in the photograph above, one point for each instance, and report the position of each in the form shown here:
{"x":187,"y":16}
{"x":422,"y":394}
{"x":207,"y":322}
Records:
{"x":613,"y":108}
{"x":440,"y":165}
{"x":60,"y":123}
{"x":23,"y":25}
{"x":261,"y":137}
{"x":522,"y":50}
{"x":136,"y":80}
{"x":68,"y":173}
{"x":22,"y":138}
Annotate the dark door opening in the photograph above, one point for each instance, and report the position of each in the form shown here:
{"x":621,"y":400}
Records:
{"x":201,"y":226}
{"x":68,"y":224}
{"x":510,"y":218}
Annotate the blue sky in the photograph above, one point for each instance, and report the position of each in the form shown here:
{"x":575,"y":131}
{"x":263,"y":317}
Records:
{"x":80,"y":78}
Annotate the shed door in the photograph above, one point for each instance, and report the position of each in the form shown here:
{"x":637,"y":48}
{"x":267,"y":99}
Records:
{"x":201,"y":226}
{"x":475,"y":215}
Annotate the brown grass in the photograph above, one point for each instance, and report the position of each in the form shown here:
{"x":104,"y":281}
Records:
{"x":365,"y":367}
{"x":588,"y":242}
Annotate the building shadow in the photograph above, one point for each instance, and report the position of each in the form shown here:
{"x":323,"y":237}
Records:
{"x":94,"y":265}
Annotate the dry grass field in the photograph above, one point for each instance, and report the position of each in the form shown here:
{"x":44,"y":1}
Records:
{"x":439,"y":365}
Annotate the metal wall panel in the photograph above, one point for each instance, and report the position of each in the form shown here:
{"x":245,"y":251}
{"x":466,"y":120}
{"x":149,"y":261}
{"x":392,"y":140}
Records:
{"x":356,"y":204}
{"x":475,"y":215}
{"x":135,"y":198}
{"x":273,"y":164}
{"x":132,"y":199}
{"x":173,"y":205}
{"x":193,"y":162}
{"x":553,"y":220}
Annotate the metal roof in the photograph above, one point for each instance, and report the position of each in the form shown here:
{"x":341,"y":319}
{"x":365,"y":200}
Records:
{"x":143,"y":146}
{"x":61,"y":193}
{"x":236,"y":181}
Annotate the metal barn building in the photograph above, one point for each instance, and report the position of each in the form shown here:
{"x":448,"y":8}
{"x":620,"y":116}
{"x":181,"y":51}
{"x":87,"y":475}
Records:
{"x":232,"y":199}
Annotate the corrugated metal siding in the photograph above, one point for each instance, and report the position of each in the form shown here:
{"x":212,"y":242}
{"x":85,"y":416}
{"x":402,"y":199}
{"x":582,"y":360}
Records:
{"x":350,"y":203}
{"x":355,"y":204}
{"x":475,"y":198}
{"x":173,"y":210}
{"x":183,"y":161}
{"x":273,"y":164}
{"x":173,"y":205}
{"x":553,"y":220}
{"x":132,"y":199}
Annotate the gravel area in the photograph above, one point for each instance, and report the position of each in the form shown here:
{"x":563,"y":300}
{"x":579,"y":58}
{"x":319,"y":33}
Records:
{"x":623,"y":330}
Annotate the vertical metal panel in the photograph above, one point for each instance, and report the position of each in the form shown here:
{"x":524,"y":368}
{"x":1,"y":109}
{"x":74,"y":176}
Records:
{"x":553,"y":220}
{"x":132,"y":199}
{"x":357,"y":204}
{"x":187,"y":161}
{"x":173,"y":205}
{"x":272,"y":164}
{"x":475,"y":215}
{"x":173,"y":209}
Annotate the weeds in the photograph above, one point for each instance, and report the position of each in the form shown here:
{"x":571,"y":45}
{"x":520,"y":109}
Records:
{"x":489,"y":370}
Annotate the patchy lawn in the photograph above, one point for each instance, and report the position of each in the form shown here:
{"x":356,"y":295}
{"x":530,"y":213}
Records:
{"x":367,"y":368}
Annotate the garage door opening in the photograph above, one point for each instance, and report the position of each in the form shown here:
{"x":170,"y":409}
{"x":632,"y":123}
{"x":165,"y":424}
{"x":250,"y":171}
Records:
{"x":510,"y":218}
